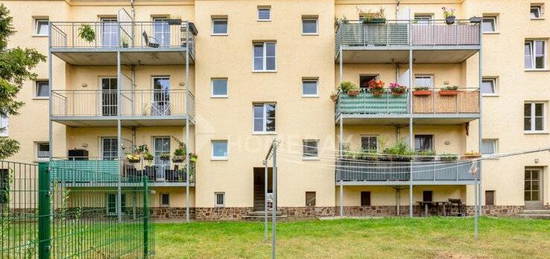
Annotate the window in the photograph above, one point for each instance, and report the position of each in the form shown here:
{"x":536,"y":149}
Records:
{"x":264,"y":13}
{"x":423,"y":18}
{"x":161,"y":96}
{"x":109,"y":148}
{"x":219,"y":199}
{"x":42,"y":89}
{"x":309,"y":87}
{"x":219,"y":87}
{"x":488,"y":146}
{"x":365,"y":79}
{"x":164,"y":199}
{"x":264,"y":56}
{"x":4,"y":186}
{"x":489,"y":24}
{"x":427,"y":196}
{"x":41,"y":27}
{"x":161,"y":30}
{"x":309,"y":25}
{"x":219,"y":149}
{"x":423,"y":142}
{"x":535,"y":54}
{"x":488,"y":86}
{"x":219,"y":26}
{"x":534,"y":117}
{"x":3,"y":126}
{"x":112,"y":203}
{"x":264,"y":117}
{"x":424,"y":81}
{"x":310,"y":199}
{"x":109,"y":32}
{"x":311,"y":148}
{"x":42,"y":150}
{"x":369,"y":143}
{"x":365,"y":198}
{"x":490,"y":198}
{"x":161,"y":146}
{"x":536,"y":11}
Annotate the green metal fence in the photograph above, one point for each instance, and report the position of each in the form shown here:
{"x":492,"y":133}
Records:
{"x":43,"y":217}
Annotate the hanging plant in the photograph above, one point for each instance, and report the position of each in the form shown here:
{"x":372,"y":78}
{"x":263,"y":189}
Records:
{"x":397,"y":89}
{"x":86,"y":32}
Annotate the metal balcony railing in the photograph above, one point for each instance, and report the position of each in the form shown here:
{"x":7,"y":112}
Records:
{"x":391,"y":171}
{"x":133,"y":103}
{"x":407,"y":33}
{"x":169,"y":33}
{"x":430,"y":101}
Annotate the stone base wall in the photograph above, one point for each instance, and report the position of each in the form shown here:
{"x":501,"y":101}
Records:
{"x":213,"y":214}
{"x":293,"y":213}
{"x":497,"y":211}
{"x":171,"y":213}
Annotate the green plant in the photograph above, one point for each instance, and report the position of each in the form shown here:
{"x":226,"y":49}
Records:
{"x":86,"y":32}
{"x":345,"y":86}
{"x":421,"y":88}
{"x":368,"y":154}
{"x":400,"y":152}
{"x":374,"y":16}
{"x":164,"y":156}
{"x":181,"y":150}
{"x":425,"y":155}
{"x":450,"y":87}
{"x":448,"y":157}
{"x":148,"y":156}
{"x":448,"y":12}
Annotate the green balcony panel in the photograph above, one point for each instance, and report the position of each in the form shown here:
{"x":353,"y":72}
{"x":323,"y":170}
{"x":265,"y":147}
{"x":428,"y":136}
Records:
{"x":85,"y":171}
{"x":366,"y":103}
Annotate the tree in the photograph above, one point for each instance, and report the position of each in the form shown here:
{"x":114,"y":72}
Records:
{"x":16,"y":66}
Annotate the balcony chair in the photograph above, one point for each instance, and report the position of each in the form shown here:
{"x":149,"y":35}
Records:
{"x":150,"y":41}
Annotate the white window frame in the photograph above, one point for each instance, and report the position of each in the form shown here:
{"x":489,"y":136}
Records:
{"x":540,"y":7}
{"x":369,"y":136}
{"x":264,"y":56}
{"x":495,"y":23}
{"x":533,"y":118}
{"x":533,"y":47}
{"x":304,"y":157}
{"x":220,"y":18}
{"x":425,"y":75}
{"x":311,"y":18}
{"x":212,"y":94}
{"x":495,"y":86}
{"x":494,"y":144}
{"x":216,"y":204}
{"x":4,"y":126}
{"x":37,"y":151}
{"x":264,"y":7}
{"x":103,"y":149}
{"x":213,"y":156}
{"x":37,"y":27}
{"x":310,"y":79}
{"x":36,"y":83}
{"x":264,"y":119}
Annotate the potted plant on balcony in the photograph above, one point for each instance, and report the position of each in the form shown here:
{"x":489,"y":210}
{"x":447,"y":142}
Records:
{"x":449,"y":14}
{"x":397,"y":89}
{"x":376,"y":87}
{"x":133,"y":157}
{"x":471,"y":155}
{"x":124,"y":42}
{"x":334,"y":96}
{"x":422,"y":91}
{"x":164,"y":156}
{"x":86,"y":32}
{"x":425,"y":155}
{"x":350,"y":88}
{"x":193,"y":157}
{"x":368,"y":154}
{"x":448,"y":90}
{"x":446,"y":157}
{"x":399,"y":152}
{"x":179,"y":153}
{"x":375,"y":17}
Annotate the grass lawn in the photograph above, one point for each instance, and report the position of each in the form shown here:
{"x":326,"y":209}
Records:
{"x":358,"y":238}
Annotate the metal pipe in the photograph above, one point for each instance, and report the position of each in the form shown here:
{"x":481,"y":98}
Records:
{"x":119,"y":140}
{"x":341,"y":135}
{"x":266,"y":182}
{"x":480,"y":126}
{"x":187,"y":167}
{"x":274,"y":210}
{"x":50,"y":83}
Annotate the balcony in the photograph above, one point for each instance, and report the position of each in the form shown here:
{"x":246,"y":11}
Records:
{"x":390,"y":42}
{"x":98,"y":172}
{"x":146,"y":43}
{"x":84,"y":108}
{"x":361,"y":172}
{"x":433,"y":106}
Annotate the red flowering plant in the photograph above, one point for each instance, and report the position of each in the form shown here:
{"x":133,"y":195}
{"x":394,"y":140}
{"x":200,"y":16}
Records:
{"x":397,"y":89}
{"x":376,"y":87}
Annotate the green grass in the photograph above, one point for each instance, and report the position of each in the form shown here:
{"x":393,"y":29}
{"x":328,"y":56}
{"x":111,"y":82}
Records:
{"x":349,"y":238}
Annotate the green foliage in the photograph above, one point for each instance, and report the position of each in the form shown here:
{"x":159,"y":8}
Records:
{"x":400,"y":148}
{"x":16,"y":66}
{"x":86,"y":32}
{"x":450,"y":87}
{"x":448,"y":157}
{"x":345,"y":86}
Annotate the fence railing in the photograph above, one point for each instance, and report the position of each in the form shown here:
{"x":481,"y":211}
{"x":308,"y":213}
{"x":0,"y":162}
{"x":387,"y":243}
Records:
{"x":42,"y":217}
{"x":104,"y":103}
{"x":429,"y":101}
{"x":407,"y":33}
{"x":350,"y":170}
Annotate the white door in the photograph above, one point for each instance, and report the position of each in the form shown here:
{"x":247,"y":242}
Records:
{"x":161,"y":96}
{"x":109,"y":101}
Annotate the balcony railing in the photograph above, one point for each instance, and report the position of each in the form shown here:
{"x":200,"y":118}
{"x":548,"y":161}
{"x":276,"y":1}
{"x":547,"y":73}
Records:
{"x":106,"y":172}
{"x":390,"y":171}
{"x":133,"y":103}
{"x":170,"y":33}
{"x":431,"y":101}
{"x":407,"y":33}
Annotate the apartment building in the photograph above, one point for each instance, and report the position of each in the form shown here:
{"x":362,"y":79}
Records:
{"x":224,"y":78}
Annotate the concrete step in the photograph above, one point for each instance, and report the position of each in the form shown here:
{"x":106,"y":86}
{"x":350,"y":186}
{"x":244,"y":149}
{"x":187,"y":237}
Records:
{"x":540,"y":211}
{"x":262,"y":213}
{"x":534,"y":216}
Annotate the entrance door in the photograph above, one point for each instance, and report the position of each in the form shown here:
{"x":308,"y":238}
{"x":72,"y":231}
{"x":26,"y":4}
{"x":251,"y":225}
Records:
{"x":109,"y":102}
{"x":161,"y":147}
{"x":161,"y":96}
{"x":109,"y":148}
{"x":109,"y":32}
{"x":259,"y":183}
{"x":533,"y":188}
{"x":112,"y":203}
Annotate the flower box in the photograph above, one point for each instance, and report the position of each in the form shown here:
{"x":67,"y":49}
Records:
{"x":422,"y":93}
{"x":178,"y":159}
{"x":448,"y":92}
{"x":354,"y":92}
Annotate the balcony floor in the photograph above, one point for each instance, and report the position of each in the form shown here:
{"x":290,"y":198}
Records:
{"x":129,"y":56}
{"x":404,"y":183}
{"x":106,"y":121}
{"x":398,"y":54}
{"x":403,"y":119}
{"x":126,"y":184}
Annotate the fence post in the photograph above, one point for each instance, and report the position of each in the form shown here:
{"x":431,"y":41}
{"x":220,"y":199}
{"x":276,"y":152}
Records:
{"x":44,"y":211}
{"x":145,"y":218}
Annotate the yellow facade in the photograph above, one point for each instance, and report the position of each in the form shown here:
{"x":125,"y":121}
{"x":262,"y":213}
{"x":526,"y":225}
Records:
{"x":299,"y":57}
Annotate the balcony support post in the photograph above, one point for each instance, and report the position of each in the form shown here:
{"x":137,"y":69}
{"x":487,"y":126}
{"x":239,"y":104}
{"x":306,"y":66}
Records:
{"x":340,"y":155}
{"x":50,"y":83}
{"x":119,"y":140}
{"x":186,"y":105}
{"x":410,"y":196}
{"x":480,"y":126}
